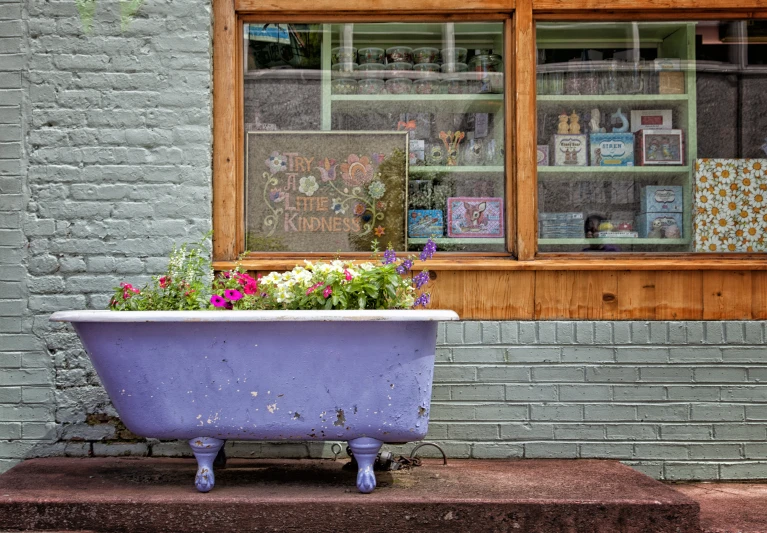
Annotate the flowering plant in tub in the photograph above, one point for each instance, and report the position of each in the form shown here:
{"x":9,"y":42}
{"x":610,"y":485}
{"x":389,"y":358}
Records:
{"x":330,"y":350}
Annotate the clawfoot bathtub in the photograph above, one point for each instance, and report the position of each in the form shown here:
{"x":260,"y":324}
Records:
{"x":208,"y":376}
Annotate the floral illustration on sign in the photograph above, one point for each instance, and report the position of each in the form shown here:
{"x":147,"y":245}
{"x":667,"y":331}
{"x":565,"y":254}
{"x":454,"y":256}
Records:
{"x":730,"y":197}
{"x":356,"y":170}
{"x":308,"y":185}
{"x":328,"y":169}
{"x":359,"y":194}
{"x":376,"y":189}
{"x":277,"y":163}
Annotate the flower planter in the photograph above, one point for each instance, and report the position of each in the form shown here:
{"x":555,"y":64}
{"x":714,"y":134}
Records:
{"x":208,"y":376}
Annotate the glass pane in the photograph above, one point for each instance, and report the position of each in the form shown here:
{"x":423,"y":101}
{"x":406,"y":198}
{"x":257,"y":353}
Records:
{"x":651,"y":136}
{"x":387,"y":131}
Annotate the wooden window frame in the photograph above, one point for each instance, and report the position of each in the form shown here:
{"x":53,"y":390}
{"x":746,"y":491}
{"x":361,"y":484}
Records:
{"x":521,"y":114}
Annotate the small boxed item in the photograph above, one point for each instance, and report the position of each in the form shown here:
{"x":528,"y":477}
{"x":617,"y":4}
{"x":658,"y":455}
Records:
{"x":661,"y":199}
{"x":570,"y":150}
{"x":612,"y":149}
{"x":543,"y":155}
{"x":560,"y":225}
{"x":475,"y":217}
{"x":652,"y":119}
{"x":425,"y":223}
{"x":671,"y":83}
{"x":659,"y":147}
{"x":417,"y":152}
{"x":660,"y":225}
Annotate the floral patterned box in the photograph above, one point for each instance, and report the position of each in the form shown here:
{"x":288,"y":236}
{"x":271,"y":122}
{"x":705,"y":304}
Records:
{"x":730,"y":211}
{"x":475,"y":217}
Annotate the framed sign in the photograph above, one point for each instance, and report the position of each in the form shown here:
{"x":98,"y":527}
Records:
{"x":325,"y":191}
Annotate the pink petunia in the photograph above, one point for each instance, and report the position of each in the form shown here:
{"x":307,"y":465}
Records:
{"x":164,"y":281}
{"x":313,"y":288}
{"x":217,"y":301}
{"x":232,"y":295}
{"x":250,"y":288}
{"x":348,"y":275}
{"x":328,"y":291}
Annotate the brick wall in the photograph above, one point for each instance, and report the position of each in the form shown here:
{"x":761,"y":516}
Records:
{"x":105,"y":163}
{"x":678,"y":400}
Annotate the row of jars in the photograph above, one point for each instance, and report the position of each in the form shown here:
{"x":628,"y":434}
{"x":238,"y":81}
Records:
{"x":613,"y":77}
{"x":396,"y":54}
{"x":408,"y":86}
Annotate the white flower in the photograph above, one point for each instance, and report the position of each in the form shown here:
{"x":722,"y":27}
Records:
{"x":308,"y":185}
{"x":337,"y":206}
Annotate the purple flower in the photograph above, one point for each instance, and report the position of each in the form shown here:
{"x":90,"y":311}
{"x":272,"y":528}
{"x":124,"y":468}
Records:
{"x":421,"y":279}
{"x":428,"y":250}
{"x":405,"y":267}
{"x":389,"y":257}
{"x":217,"y":301}
{"x":422,"y":300}
{"x":232,"y":295}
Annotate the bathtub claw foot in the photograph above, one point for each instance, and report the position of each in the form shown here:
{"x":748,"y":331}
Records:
{"x":205,"y":450}
{"x":365,"y":450}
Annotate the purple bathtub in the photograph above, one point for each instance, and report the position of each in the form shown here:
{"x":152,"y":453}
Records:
{"x":208,"y":376}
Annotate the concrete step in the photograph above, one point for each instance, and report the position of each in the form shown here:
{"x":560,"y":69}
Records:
{"x":525,"y":496}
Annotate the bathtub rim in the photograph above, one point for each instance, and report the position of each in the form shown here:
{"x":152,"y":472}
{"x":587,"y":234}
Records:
{"x":404,"y":315}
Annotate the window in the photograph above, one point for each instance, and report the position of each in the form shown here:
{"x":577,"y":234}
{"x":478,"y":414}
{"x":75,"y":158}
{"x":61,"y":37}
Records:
{"x":652,"y":136}
{"x":387,"y":132}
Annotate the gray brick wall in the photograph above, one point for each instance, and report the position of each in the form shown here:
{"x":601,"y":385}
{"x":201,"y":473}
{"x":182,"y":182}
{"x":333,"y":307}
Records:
{"x":105,"y":162}
{"x":677,"y":400}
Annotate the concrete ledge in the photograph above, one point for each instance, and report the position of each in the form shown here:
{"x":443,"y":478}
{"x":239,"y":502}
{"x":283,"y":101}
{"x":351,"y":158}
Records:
{"x":148,"y":494}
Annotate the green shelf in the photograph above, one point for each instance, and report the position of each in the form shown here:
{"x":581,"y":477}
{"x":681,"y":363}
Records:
{"x":414,"y":103}
{"x":609,"y":173}
{"x":455,"y":169}
{"x":627,"y":240}
{"x":611,"y":98}
{"x":458,"y":240}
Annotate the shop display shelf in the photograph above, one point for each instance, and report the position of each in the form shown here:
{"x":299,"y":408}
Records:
{"x":598,"y":173}
{"x":415,"y":103}
{"x":555,"y":99}
{"x":458,"y":240}
{"x":627,"y":240}
{"x":456,"y":169}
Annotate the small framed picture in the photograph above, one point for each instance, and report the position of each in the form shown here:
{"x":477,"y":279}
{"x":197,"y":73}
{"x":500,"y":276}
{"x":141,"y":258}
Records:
{"x":425,"y":223}
{"x":660,"y":147}
{"x":475,"y":217}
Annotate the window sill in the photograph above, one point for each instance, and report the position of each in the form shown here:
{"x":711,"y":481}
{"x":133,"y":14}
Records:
{"x":576,"y":262}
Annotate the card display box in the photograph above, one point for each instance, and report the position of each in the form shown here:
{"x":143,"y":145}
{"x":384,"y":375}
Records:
{"x":570,"y":150}
{"x":567,"y":225}
{"x":612,"y":149}
{"x":476,"y":217}
{"x":656,"y":225}
{"x":661,"y":199}
{"x":543,"y":155}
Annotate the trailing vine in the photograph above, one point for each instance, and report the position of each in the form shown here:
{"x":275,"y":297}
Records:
{"x":87,"y":9}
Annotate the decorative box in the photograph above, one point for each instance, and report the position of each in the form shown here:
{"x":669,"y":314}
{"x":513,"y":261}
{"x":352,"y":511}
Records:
{"x":660,"y":225}
{"x":425,"y":223}
{"x":570,"y":150}
{"x":616,"y":234}
{"x":661,"y":199}
{"x":671,"y":83}
{"x":612,"y":149}
{"x":560,"y":225}
{"x":543,"y":155}
{"x":653,"y":119}
{"x":659,"y":147}
{"x":475,"y":217}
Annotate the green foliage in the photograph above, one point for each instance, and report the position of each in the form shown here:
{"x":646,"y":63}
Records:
{"x":184,"y":286}
{"x":86,"y":9}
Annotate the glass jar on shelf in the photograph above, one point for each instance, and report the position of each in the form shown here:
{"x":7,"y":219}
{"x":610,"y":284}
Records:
{"x":489,"y":71}
{"x":609,"y":79}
